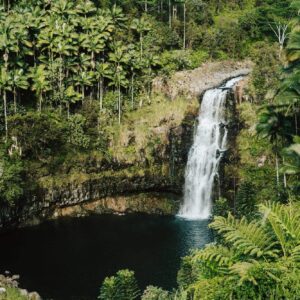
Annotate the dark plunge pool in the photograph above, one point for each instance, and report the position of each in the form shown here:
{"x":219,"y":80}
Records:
{"x":69,"y":258}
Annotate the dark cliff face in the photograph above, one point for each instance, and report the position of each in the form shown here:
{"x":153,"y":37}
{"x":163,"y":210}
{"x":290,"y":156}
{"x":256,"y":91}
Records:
{"x":116,"y":180}
{"x":227,"y":180}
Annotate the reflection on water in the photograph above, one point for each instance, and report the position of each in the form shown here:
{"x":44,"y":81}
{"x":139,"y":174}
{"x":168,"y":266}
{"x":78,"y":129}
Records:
{"x":69,"y":258}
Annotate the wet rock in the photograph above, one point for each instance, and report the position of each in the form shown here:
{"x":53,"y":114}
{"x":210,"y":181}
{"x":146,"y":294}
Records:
{"x":261,"y":161}
{"x":34,"y":296}
{"x":194,"y":83}
{"x":23,"y":292}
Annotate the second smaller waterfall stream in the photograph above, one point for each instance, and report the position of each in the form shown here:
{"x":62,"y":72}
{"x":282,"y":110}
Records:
{"x":206,"y":153}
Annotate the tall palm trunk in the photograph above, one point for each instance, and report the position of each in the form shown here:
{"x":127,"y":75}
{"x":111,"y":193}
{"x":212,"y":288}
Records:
{"x":5,"y":114}
{"x":82,"y":93}
{"x":119,"y":100}
{"x":40,"y":102}
{"x":284,"y":177}
{"x":184,"y":26}
{"x":141,"y":44}
{"x":277,"y":168}
{"x":15,"y":99}
{"x":119,"y":92}
{"x":170,"y":14}
{"x":149,"y":85}
{"x":132,"y":91}
{"x":68,"y":110}
{"x":60,"y":83}
{"x":101,"y":93}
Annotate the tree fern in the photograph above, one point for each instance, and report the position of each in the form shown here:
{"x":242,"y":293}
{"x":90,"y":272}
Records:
{"x":285,"y":222}
{"x":295,"y":255}
{"x":217,"y":258}
{"x":249,"y":238}
{"x":245,"y":270}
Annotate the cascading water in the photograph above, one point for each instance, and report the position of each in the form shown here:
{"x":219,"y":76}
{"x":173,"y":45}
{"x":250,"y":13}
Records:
{"x":205,"y":154}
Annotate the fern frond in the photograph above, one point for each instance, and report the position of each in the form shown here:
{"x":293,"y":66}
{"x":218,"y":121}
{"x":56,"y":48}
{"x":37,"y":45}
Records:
{"x":285,"y":222}
{"x":295,"y":255}
{"x":245,"y":271}
{"x":255,"y":271}
{"x":249,"y":238}
{"x":216,"y":255}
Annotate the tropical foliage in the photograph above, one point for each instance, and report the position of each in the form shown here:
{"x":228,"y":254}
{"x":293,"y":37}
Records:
{"x":257,"y":246}
{"x":255,"y":260}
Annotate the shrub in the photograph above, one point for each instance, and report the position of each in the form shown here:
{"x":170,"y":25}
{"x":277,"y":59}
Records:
{"x":122,"y":286}
{"x":11,"y":179}
{"x":155,"y":293}
{"x":77,"y":136}
{"x":221,"y":207}
{"x":38,"y":134}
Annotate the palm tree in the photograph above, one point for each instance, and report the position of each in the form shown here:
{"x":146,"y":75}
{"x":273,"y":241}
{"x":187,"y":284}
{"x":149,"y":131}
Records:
{"x":135,"y":66}
{"x":291,"y":164}
{"x":8,"y":41}
{"x":70,"y":97}
{"x":93,"y":42}
{"x":117,"y":16}
{"x":274,"y":126}
{"x":5,"y":86}
{"x":119,"y":80}
{"x":141,"y":26}
{"x":103,"y":70}
{"x":85,"y":8}
{"x":150,"y":62}
{"x":65,"y":9}
{"x":40,"y":83}
{"x":84,"y":79}
{"x":118,"y":57}
{"x":19,"y":81}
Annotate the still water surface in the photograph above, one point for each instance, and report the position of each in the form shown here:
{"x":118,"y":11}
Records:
{"x":69,"y":258}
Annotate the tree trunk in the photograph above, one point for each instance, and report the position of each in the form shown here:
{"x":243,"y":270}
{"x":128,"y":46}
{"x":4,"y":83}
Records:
{"x":184,"y":26}
{"x":170,"y":15}
{"x":149,"y":86}
{"x":141,"y":42}
{"x":82,"y":93}
{"x":277,"y":168}
{"x":146,"y":6}
{"x":119,"y":101}
{"x":101,"y":93}
{"x":132,"y":91}
{"x":15,"y":100}
{"x":5,"y":115}
{"x":284,"y":177}
{"x":68,"y":110}
{"x":98,"y":94}
{"x":40,"y":102}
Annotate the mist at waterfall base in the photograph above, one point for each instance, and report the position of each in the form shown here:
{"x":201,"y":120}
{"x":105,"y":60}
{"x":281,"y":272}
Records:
{"x":206,"y":153}
{"x":69,"y":258}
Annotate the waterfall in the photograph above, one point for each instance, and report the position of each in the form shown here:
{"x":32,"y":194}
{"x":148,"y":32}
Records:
{"x":206,"y":153}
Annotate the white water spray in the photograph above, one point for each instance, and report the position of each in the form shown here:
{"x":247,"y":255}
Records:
{"x":206,"y":153}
